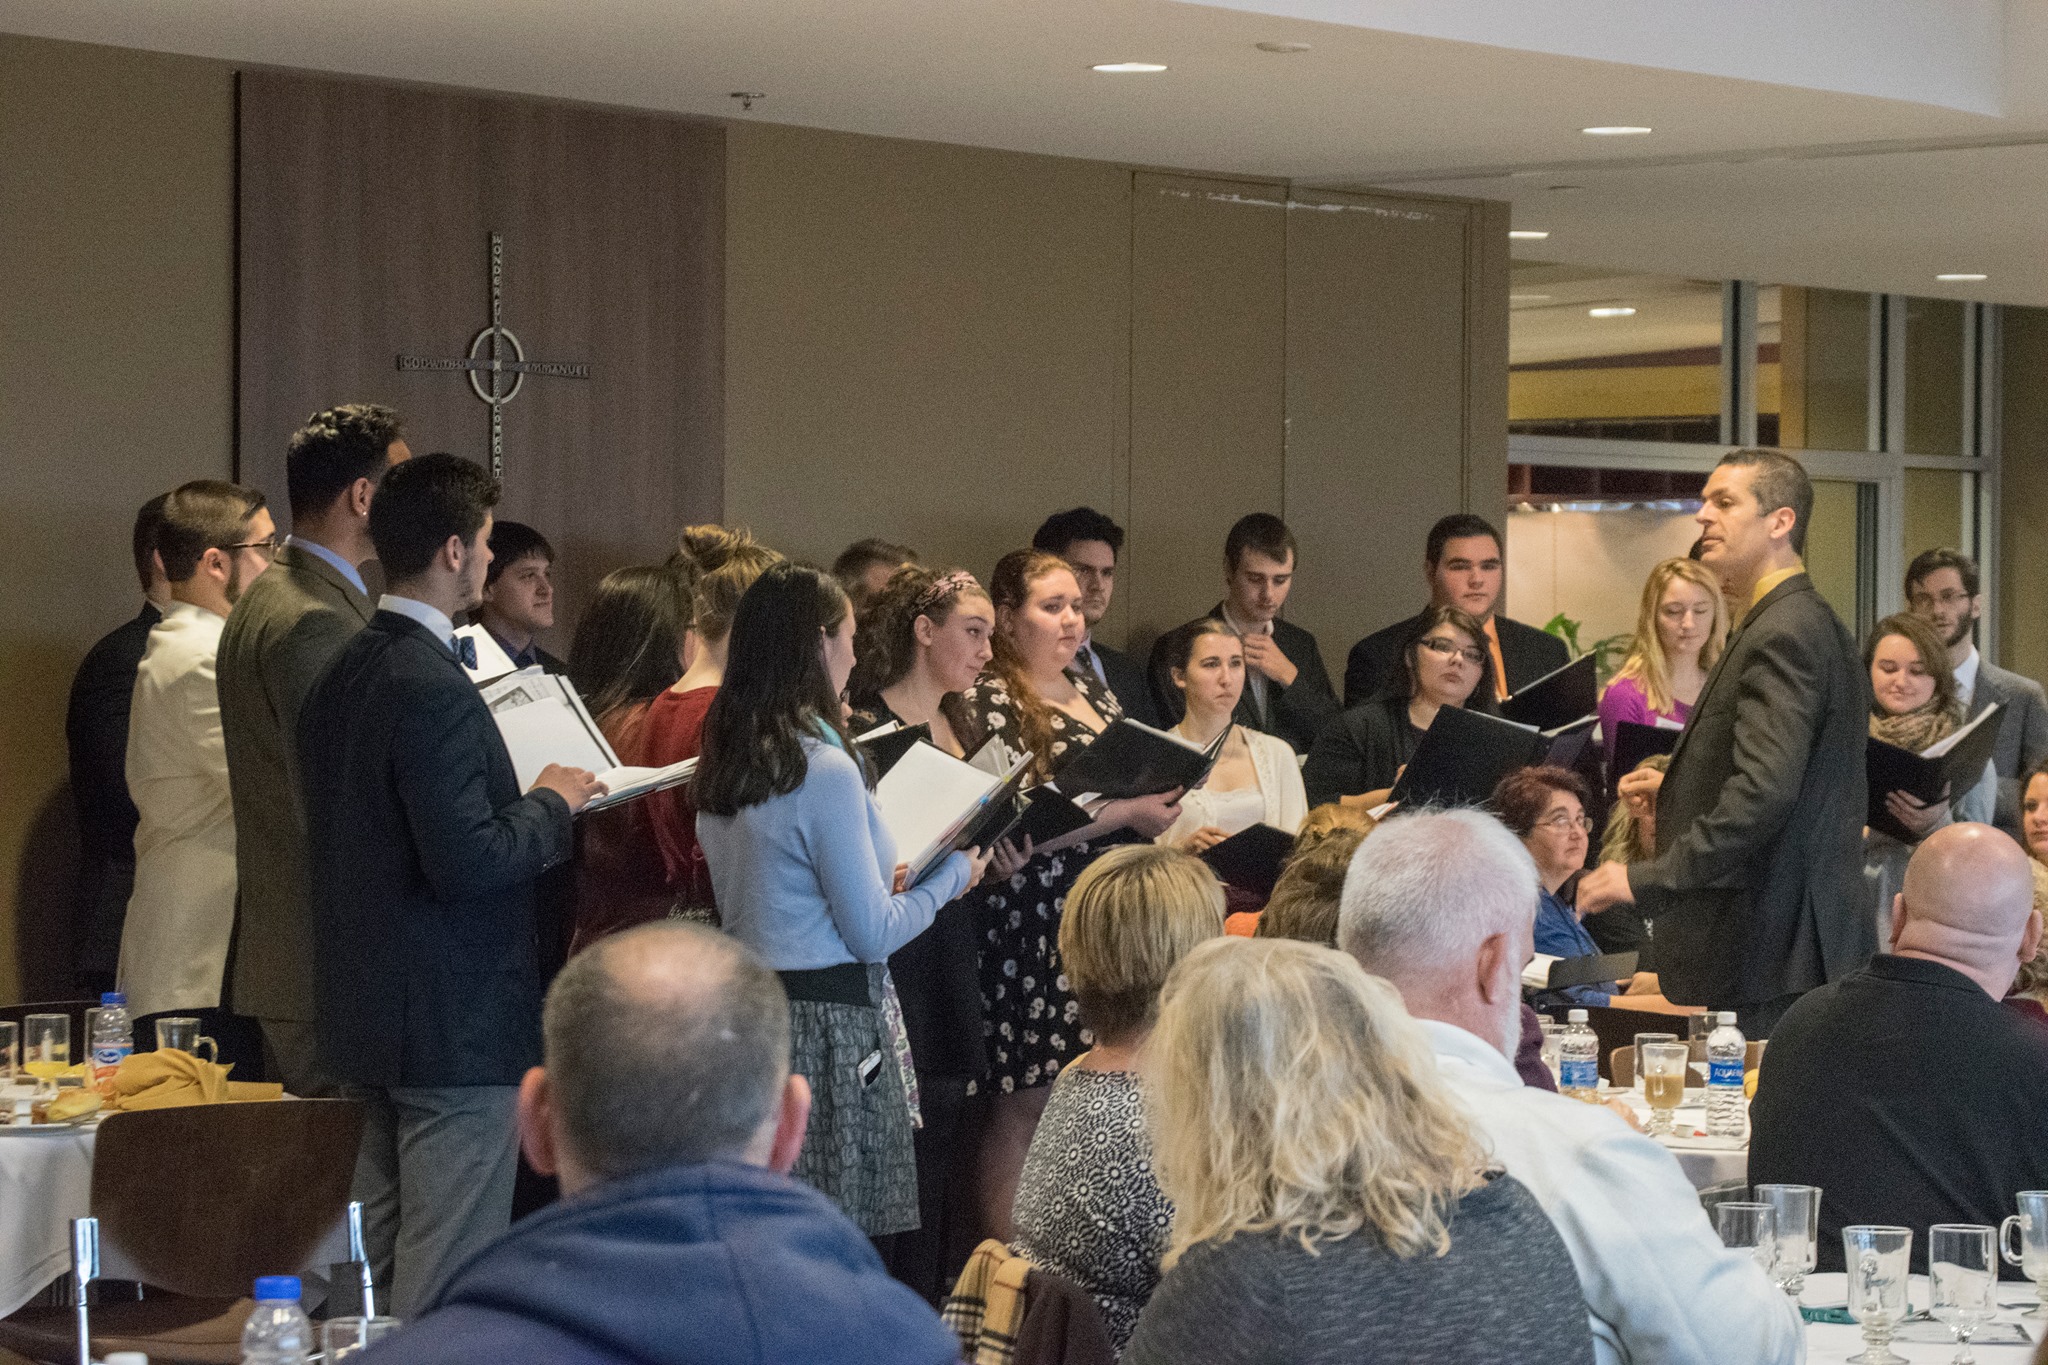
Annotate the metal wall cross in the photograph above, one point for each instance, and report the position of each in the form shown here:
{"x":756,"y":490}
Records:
{"x":494,"y":353}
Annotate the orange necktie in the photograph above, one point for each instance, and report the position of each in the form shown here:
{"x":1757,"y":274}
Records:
{"x":1500,"y":667}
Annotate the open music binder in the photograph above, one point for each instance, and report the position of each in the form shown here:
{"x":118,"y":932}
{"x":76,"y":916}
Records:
{"x":1130,"y":759}
{"x":1631,"y":743}
{"x":1251,"y":859}
{"x":1464,"y":755}
{"x":542,"y":720}
{"x":1559,"y":698}
{"x":1951,"y":766}
{"x":934,"y":804}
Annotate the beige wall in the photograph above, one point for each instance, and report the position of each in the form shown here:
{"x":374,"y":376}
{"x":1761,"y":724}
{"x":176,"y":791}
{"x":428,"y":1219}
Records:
{"x":116,"y":362}
{"x":2023,"y":493}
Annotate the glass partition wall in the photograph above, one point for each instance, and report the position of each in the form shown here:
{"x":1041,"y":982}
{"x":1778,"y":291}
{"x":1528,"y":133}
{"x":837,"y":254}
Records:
{"x":1625,"y":388}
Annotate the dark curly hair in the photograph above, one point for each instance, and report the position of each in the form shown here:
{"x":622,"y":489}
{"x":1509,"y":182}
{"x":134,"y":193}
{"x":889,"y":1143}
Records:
{"x":885,"y":641}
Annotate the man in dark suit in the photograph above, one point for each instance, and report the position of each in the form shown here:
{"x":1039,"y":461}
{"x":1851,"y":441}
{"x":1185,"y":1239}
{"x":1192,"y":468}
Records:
{"x":1756,"y":894}
{"x":1286,"y":688}
{"x":519,"y":595}
{"x":96,"y":733}
{"x":1942,"y":589}
{"x":422,"y":855}
{"x":1462,"y":562}
{"x":281,"y":636}
{"x":1906,"y":1091}
{"x":1090,"y":543}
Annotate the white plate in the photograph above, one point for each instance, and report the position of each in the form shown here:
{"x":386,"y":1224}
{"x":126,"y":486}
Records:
{"x":83,"y":1124}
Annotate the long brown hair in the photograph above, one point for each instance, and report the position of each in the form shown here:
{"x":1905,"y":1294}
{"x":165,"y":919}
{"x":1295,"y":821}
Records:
{"x":1010,"y":586}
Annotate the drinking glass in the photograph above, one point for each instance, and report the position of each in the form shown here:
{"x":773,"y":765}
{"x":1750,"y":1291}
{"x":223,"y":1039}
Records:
{"x":1749,"y":1227}
{"x":1641,"y":1040}
{"x":2032,"y":1258}
{"x":46,"y":1048}
{"x":1878,"y":1259}
{"x":1798,"y":1210}
{"x":182,"y":1033}
{"x":1962,"y":1263}
{"x":10,"y":1050}
{"x":345,"y":1338}
{"x":1663,"y":1071}
{"x":1553,"y":1042}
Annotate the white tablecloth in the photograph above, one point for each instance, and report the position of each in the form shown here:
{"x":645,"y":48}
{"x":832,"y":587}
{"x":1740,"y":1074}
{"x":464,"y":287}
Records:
{"x":1706,"y":1161}
{"x":45,"y":1182}
{"x":1829,"y":1343}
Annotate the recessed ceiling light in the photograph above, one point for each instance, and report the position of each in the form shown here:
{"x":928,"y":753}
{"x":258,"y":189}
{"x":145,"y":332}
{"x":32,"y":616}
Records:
{"x":1527,"y":234}
{"x":1613,"y":312}
{"x":1529,"y":298}
{"x":1960,"y":279}
{"x":1617,"y":130}
{"x":1127,"y":68}
{"x":1281,"y":47}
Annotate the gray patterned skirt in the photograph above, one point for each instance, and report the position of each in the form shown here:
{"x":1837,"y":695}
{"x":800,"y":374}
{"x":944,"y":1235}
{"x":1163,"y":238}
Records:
{"x":857,"y":1149}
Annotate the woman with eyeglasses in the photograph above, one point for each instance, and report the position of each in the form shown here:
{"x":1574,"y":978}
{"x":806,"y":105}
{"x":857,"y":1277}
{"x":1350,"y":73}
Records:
{"x":1360,"y":753}
{"x":1546,"y":809}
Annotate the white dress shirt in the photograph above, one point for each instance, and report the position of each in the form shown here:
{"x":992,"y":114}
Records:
{"x":1660,"y":1288}
{"x":1966,"y":678}
{"x":174,"y":943}
{"x":432,"y":617}
{"x":1255,"y":680}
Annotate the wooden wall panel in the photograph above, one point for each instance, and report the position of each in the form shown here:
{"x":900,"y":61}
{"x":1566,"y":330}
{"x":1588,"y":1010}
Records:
{"x":365,"y":213}
{"x":1208,"y":366}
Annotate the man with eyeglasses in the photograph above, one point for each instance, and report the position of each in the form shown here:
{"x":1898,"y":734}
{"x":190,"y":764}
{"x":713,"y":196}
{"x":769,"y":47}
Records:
{"x":215,"y":540}
{"x":1462,"y":561}
{"x":280,"y":638}
{"x":1942,"y":590}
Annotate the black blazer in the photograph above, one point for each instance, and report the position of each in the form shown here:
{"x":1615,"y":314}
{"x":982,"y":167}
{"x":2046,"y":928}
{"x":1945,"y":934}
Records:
{"x":96,"y":733}
{"x":1757,"y":888}
{"x":422,"y":857}
{"x":1296,"y":713}
{"x":1374,"y":665}
{"x":1127,"y":681}
{"x":1359,"y":750}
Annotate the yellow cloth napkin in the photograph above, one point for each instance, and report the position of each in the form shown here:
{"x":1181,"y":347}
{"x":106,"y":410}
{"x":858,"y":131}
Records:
{"x":168,"y":1078}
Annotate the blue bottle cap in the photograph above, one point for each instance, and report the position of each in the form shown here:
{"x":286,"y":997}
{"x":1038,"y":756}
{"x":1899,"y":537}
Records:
{"x":113,"y":998}
{"x":277,"y":1289}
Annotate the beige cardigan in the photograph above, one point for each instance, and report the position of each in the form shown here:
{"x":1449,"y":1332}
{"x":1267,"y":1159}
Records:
{"x":1278,"y":771}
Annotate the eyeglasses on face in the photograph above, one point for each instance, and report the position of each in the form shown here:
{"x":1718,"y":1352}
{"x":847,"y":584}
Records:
{"x":267,"y":548}
{"x":1949,"y":600}
{"x":1444,"y":649}
{"x":1563,"y":820}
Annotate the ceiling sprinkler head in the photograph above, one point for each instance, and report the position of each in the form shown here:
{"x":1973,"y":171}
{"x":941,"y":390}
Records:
{"x":747,"y":98}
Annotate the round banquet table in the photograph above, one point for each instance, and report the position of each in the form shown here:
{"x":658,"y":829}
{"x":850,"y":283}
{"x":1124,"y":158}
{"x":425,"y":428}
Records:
{"x":45,"y":1182}
{"x":1708,"y":1162}
{"x":1829,"y":1343}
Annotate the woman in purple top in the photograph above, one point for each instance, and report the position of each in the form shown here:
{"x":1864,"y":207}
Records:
{"x":1680,"y":630}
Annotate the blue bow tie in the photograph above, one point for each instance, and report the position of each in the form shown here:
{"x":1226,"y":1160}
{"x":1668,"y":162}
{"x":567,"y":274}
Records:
{"x":465,"y":650}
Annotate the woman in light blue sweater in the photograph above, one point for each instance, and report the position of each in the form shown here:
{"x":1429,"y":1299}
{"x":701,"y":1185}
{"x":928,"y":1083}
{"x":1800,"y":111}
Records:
{"x":804,"y":874}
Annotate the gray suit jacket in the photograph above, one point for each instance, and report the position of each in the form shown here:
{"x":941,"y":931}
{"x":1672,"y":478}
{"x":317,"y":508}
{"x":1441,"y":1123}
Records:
{"x":1756,"y":891}
{"x":2022,"y":733}
{"x":282,"y":634}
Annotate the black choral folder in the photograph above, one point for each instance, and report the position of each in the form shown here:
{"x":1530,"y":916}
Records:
{"x":1631,"y":743}
{"x":885,"y":745}
{"x":1560,"y":697}
{"x":1464,"y":755}
{"x":1924,"y":777}
{"x":1128,"y":759}
{"x":1252,"y":858}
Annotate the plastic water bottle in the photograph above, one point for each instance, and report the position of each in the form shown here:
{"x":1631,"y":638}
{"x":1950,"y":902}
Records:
{"x":1579,"y":1059}
{"x":113,"y":1038}
{"x":277,"y":1332}
{"x":1727,"y":1109}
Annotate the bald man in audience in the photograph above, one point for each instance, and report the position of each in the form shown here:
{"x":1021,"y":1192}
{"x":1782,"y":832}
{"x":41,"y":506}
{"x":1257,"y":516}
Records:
{"x":668,"y":1109}
{"x":1443,"y":905}
{"x":1905,"y":1090}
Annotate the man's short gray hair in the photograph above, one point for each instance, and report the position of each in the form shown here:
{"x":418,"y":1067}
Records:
{"x":1425,"y":890}
{"x":667,"y":1045}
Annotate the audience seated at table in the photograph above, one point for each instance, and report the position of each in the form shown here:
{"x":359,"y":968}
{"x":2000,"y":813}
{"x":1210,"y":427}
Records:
{"x":1304,"y":901}
{"x":1441,"y":905}
{"x":1545,"y":808}
{"x":1331,"y":1201}
{"x":669,"y":1111}
{"x":1904,"y":1090}
{"x":1088,"y":1206}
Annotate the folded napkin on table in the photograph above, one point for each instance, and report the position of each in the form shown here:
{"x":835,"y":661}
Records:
{"x":168,"y":1077}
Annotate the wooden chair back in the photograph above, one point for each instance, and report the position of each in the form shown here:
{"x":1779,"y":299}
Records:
{"x":203,"y":1199}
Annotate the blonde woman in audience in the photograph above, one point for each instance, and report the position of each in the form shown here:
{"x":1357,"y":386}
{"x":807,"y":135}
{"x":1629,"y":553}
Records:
{"x":726,"y":563}
{"x":1331,"y":1200}
{"x":1088,"y":1206}
{"x":1681,"y":627}
{"x":1031,"y":701}
{"x":1304,"y":901}
{"x":1913,"y":704}
{"x":2029,"y":993}
{"x":1257,"y":779}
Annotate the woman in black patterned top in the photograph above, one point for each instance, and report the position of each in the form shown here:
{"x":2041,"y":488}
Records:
{"x":1030,"y":700}
{"x":1089,"y":1206}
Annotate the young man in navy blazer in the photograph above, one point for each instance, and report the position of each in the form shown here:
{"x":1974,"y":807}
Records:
{"x":422,"y":855}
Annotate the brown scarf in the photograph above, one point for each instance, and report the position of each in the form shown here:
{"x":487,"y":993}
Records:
{"x":1918,"y":728}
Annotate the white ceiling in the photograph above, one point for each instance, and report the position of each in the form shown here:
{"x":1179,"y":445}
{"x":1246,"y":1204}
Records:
{"x":1395,"y":92}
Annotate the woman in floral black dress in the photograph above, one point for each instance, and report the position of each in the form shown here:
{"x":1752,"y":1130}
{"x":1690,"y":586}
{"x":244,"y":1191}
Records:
{"x":1029,"y":699}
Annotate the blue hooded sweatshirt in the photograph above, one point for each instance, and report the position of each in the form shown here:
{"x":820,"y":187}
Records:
{"x":716,"y":1264}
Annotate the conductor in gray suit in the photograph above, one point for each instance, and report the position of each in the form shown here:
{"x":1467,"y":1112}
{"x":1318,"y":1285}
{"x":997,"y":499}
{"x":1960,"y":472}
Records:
{"x":1941,"y":589}
{"x":280,"y":637}
{"x":1755,"y":894}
